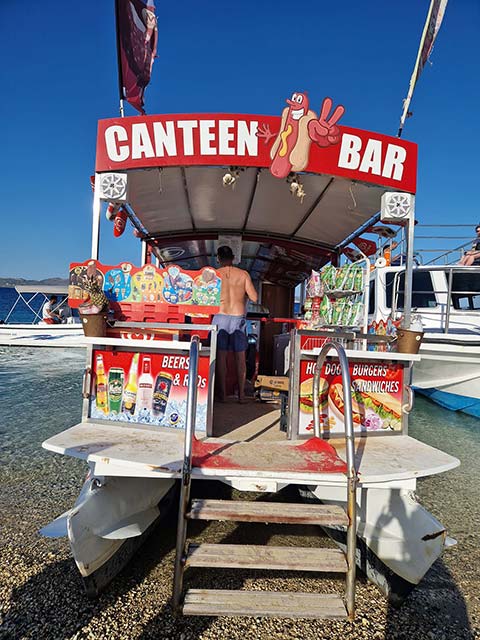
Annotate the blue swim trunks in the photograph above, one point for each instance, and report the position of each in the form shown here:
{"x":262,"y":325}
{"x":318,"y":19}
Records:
{"x":232,"y":332}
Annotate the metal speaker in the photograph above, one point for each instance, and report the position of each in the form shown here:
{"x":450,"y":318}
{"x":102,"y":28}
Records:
{"x":397,"y":207}
{"x":113,"y":187}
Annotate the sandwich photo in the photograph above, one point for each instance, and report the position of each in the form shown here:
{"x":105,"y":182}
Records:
{"x":306,"y":395}
{"x":373,"y":410}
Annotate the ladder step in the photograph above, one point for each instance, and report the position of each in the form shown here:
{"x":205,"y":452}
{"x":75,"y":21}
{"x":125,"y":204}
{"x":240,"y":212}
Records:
{"x":219,"y":602}
{"x":240,"y":556}
{"x":281,"y":512}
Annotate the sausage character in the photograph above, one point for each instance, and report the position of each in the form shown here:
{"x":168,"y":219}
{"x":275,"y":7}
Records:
{"x":299,"y":128}
{"x":291,"y":148}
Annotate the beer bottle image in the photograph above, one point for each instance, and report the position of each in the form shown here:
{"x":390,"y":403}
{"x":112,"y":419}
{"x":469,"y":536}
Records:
{"x":161,"y":391}
{"x":145,"y":387}
{"x":130,"y":391}
{"x":101,"y":400}
{"x":116,"y":378}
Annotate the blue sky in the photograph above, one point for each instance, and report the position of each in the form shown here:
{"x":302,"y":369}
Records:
{"x":58,"y":77}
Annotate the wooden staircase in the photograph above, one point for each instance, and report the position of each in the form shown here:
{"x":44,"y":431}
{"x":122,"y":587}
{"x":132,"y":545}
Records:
{"x":215,"y":602}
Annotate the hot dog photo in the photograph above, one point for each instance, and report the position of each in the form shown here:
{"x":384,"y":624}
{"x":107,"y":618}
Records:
{"x":376,"y":398}
{"x":371,"y":411}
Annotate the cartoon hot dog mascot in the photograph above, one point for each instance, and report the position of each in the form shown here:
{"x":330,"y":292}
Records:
{"x":306,"y":395}
{"x":299,"y":128}
{"x":371,"y":410}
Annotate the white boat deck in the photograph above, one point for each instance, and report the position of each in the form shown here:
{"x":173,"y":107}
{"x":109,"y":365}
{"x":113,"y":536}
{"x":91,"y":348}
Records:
{"x":253,"y":450}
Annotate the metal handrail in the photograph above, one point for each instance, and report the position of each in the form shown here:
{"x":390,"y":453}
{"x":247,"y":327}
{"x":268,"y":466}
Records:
{"x":352,"y":476}
{"x":186,"y":471}
{"x":449,"y":271}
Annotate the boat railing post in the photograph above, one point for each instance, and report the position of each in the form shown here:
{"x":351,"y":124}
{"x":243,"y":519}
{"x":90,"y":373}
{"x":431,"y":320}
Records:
{"x":186,"y":471}
{"x":352,"y":477}
{"x":449,"y":300}
{"x":393,"y":310}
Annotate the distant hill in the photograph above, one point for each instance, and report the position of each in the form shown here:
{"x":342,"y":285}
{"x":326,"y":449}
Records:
{"x":11,"y":282}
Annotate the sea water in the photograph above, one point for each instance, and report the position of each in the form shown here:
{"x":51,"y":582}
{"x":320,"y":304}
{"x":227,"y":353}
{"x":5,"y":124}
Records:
{"x":21,"y":312}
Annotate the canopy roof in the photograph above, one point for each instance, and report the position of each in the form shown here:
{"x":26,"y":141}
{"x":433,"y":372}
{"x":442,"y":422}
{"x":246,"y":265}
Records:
{"x":174,"y":168}
{"x":46,"y":289}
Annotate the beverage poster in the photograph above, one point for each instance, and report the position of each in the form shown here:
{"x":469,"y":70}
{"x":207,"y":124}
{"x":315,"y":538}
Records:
{"x":146,"y":388}
{"x":377,"y":391}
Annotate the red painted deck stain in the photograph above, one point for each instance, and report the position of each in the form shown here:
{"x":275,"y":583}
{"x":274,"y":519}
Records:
{"x":313,"y":456}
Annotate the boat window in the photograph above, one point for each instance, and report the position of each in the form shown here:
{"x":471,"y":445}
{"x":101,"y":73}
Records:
{"x":466,"y":291}
{"x":422,"y":295}
{"x":371,"y":300}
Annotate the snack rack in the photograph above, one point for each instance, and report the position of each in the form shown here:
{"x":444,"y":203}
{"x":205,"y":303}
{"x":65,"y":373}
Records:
{"x":337,"y":297}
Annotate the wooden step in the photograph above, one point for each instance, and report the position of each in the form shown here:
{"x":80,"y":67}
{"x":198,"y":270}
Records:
{"x":281,"y":512}
{"x":219,"y":602}
{"x":245,"y":556}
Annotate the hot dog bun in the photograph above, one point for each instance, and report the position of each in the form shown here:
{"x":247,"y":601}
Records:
{"x":336,"y":405}
{"x":300,"y":153}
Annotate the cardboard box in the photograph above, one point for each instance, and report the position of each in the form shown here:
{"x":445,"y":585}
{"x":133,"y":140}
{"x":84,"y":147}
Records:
{"x":277,"y":383}
{"x":268,"y":395}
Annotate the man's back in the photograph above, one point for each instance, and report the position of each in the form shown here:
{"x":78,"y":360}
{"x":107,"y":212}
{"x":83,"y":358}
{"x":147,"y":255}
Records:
{"x":236,"y":284}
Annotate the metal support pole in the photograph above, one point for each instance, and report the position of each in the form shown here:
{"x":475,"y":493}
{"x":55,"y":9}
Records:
{"x":143,"y":258}
{"x":119,"y":61}
{"x":407,"y":303}
{"x":449,"y":301}
{"x":97,"y":207}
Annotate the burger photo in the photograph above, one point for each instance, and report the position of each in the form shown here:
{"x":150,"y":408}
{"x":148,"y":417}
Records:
{"x":306,"y":395}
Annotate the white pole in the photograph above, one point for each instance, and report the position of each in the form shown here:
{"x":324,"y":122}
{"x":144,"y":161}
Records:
{"x":143,"y":258}
{"x":408,"y":289}
{"x":97,"y":206}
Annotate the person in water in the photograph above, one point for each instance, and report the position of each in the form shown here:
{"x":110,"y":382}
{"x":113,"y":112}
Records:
{"x":231,"y":320}
{"x":472,"y":257}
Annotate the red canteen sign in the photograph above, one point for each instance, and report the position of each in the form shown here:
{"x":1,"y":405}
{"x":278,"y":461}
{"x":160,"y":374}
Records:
{"x":248,"y":140}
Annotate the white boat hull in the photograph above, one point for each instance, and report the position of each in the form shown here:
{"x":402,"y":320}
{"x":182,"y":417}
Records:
{"x":451,"y":367}
{"x":42,"y":335}
{"x":398,"y":540}
{"x":106,"y":524}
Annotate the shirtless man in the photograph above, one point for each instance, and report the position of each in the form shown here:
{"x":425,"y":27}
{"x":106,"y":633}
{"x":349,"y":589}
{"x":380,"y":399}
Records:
{"x":231,"y":321}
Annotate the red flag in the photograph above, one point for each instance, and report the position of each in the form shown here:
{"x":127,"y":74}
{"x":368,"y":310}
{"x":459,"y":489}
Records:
{"x":368,"y":247}
{"x":137,"y":41}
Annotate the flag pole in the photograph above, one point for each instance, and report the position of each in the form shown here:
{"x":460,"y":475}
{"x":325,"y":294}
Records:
{"x":119,"y":60}
{"x":413,"y":79}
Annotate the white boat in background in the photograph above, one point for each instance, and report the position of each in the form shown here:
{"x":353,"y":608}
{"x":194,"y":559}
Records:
{"x":448,"y":300}
{"x":38,"y":333}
